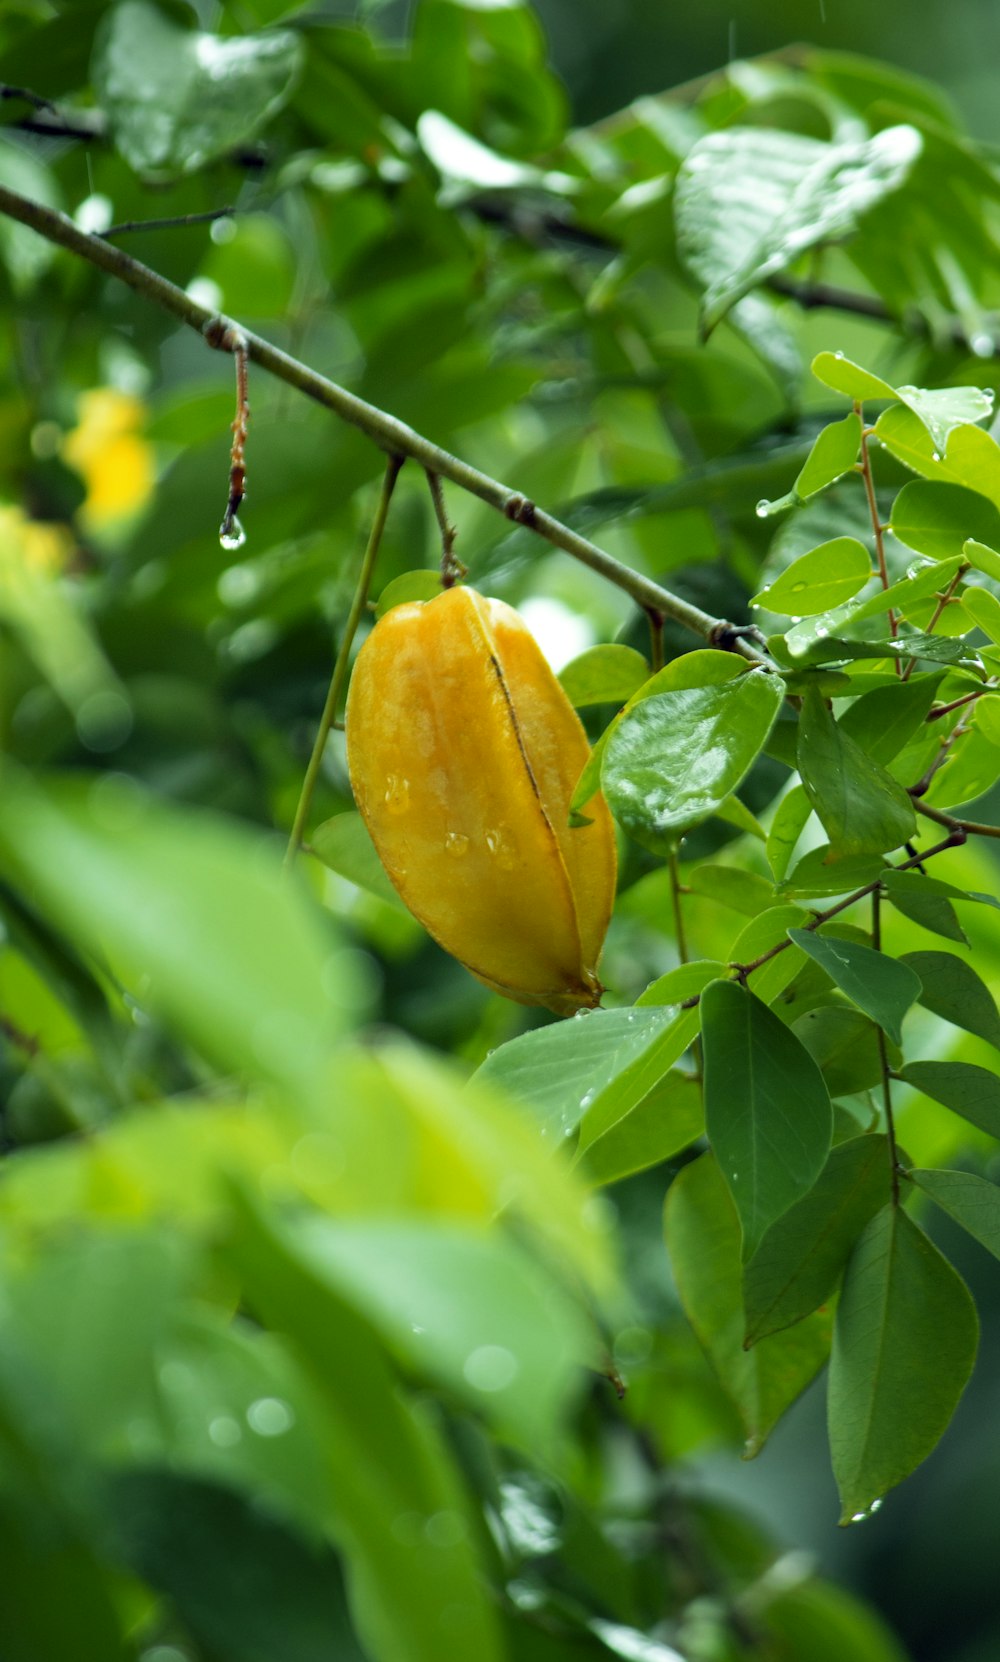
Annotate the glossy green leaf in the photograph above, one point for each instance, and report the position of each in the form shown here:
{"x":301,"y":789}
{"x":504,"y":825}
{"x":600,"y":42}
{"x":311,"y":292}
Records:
{"x":957,"y":993}
{"x":604,"y":675}
{"x":675,"y":758}
{"x":965,"y":1088}
{"x":937,"y":519}
{"x":972,"y":767}
{"x":669,"y":1118}
{"x":921,"y":581}
{"x":195,"y":907}
{"x":408,"y":586}
{"x":817,"y":581}
{"x":984,"y":608}
{"x":942,"y":409}
{"x":971,"y":459}
{"x":925,"y":901}
{"x":841,"y":375}
{"x":879,"y":985}
{"x":884,"y":720}
{"x":800,"y":1259}
{"x":749,"y":201}
{"x":861,"y":807}
{"x":844,"y":1045}
{"x":972,"y":1201}
{"x":210,"y":94}
{"x":982,"y":557}
{"x":703,"y":668}
{"x":787,"y":826}
{"x":602,"y":1065}
{"x":904,"y":1345}
{"x":703,"y":1240}
{"x":767,"y":1110}
{"x":686,"y":981}
{"x":834,"y":453}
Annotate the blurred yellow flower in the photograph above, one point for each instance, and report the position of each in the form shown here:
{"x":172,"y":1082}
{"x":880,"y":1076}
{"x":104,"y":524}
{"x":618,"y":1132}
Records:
{"x":41,"y":546}
{"x":108,"y":451}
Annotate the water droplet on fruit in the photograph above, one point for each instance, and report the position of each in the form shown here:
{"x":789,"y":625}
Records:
{"x":456,"y":843}
{"x":397,"y":794}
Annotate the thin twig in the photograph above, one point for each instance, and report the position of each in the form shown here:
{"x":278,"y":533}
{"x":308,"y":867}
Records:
{"x":339,"y":676}
{"x":675,"y":897}
{"x":394,"y":437}
{"x":866,"y":474}
{"x":943,"y":600}
{"x":231,"y":534}
{"x":969,"y":827}
{"x":452,"y":569}
{"x":128,"y":226}
{"x":890,"y":1124}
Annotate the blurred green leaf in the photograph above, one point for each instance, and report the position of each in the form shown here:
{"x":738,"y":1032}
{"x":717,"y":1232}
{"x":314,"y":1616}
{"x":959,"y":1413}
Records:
{"x":177,"y":99}
{"x":343,"y":843}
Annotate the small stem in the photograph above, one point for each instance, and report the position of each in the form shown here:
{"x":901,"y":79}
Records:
{"x":943,"y":600}
{"x":923,"y":785}
{"x":452,"y":569}
{"x":967,"y":827}
{"x":128,"y":226}
{"x":866,"y":474}
{"x":890,"y":1124}
{"x":675,"y":897}
{"x":956,"y":703}
{"x":231,"y":531}
{"x":339,"y":676}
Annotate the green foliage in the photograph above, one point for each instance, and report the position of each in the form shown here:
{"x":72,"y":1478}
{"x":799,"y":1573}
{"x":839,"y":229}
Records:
{"x":312,"y":1310}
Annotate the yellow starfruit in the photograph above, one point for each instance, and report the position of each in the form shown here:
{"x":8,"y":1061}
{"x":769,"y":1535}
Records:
{"x":463,"y":752}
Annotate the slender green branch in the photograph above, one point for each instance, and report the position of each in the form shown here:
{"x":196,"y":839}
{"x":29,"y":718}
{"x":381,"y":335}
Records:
{"x":391,"y":435}
{"x":339,"y":676}
{"x":877,"y":528}
{"x":956,"y":703}
{"x":656,"y":622}
{"x":890,"y":1123}
{"x":968,"y":827}
{"x":675,"y":897}
{"x":173,"y":223}
{"x":943,"y":600}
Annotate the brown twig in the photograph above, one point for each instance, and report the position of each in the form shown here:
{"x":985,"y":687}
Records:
{"x":231,"y":532}
{"x":452,"y":569}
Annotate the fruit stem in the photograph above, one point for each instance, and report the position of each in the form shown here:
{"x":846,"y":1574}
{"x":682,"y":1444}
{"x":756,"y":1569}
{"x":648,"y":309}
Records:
{"x":339,"y":676}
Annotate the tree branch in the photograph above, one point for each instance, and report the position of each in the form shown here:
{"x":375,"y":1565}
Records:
{"x":391,"y":435}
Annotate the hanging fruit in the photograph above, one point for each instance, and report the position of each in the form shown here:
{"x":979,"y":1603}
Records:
{"x":463,"y":752}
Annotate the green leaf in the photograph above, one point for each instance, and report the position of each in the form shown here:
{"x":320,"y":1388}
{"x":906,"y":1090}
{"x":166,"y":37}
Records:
{"x":984,"y":609}
{"x":767,"y":1110}
{"x":343,"y":844}
{"x":942,"y":409}
{"x":954,"y":991}
{"x":736,"y":813}
{"x":925,"y":901}
{"x":937,"y":519}
{"x":686,"y":981}
{"x":963,"y":1087}
{"x":421,"y":584}
{"x":242,"y":1582}
{"x":834,"y":453}
{"x":983,"y":558}
{"x":445,"y":1297}
{"x":862,"y":808}
{"x":903,"y":1348}
{"x":702,"y":668}
{"x":921,"y":581}
{"x":177,"y":99}
{"x":841,"y":375}
{"x":670,"y":1117}
{"x":749,"y":201}
{"x":800,"y":1259}
{"x":817,"y":581}
{"x":675,"y":758}
{"x":740,"y":891}
{"x":414,"y":1591}
{"x":767,"y":930}
{"x":603,"y":1065}
{"x":818,"y":874}
{"x":879,"y":985}
{"x":824,"y":1623}
{"x":197,"y":909}
{"x":787,"y":827}
{"x":844,"y":1045}
{"x":972,"y":1201}
{"x":703,"y":1240}
{"x":604,"y":675}
{"x":883,"y":720}
{"x":972,"y":457}
{"x":54,"y":632}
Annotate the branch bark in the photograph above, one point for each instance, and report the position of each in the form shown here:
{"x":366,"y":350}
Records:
{"x":389,"y":434}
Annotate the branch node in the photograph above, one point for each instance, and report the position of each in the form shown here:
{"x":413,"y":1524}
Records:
{"x":726,"y":636}
{"x":520,"y":509}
